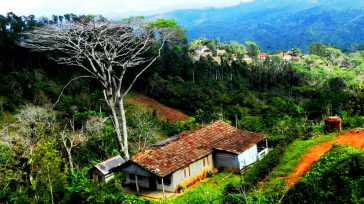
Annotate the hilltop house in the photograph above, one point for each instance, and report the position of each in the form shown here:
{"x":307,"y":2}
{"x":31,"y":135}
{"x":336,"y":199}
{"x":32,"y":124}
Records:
{"x":187,"y":157}
{"x":263,"y":56}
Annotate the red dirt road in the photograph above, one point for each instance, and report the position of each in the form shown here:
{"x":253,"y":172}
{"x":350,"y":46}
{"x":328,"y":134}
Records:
{"x":354,"y":138}
{"x":163,"y":112}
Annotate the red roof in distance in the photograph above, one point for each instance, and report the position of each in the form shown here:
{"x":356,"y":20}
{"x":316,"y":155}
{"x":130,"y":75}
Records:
{"x":261,"y":55}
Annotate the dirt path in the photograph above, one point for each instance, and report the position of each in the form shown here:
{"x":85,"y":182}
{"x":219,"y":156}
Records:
{"x":163,"y":112}
{"x":354,"y":138}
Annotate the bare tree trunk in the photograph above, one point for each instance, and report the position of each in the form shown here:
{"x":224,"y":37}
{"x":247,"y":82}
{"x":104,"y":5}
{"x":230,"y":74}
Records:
{"x":123,"y":122}
{"x":50,"y":184}
{"x":117,"y":127}
{"x":193,"y":75}
{"x":115,"y":120}
{"x":70,"y":160}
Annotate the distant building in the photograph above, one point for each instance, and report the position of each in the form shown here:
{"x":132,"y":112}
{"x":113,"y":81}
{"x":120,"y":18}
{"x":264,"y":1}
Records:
{"x":201,"y":51}
{"x":287,"y":57}
{"x":296,"y":58}
{"x":103,"y":170}
{"x":187,"y":157}
{"x":262,"y":56}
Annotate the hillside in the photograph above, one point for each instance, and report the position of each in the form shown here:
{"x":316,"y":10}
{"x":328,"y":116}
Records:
{"x":277,"y":25}
{"x":52,"y":135}
{"x":353,"y":138}
{"x":163,"y":112}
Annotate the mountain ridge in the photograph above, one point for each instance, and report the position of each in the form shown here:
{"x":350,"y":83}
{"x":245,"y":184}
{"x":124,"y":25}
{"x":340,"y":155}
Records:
{"x":278,"y":25}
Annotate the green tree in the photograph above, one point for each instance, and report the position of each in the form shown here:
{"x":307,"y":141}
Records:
{"x":252,"y":49}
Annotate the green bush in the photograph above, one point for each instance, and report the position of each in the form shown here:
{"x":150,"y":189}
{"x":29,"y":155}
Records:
{"x":4,"y":154}
{"x":354,"y":122}
{"x":256,"y":173}
{"x":337,"y":178}
{"x":262,"y":168}
{"x":234,"y":199}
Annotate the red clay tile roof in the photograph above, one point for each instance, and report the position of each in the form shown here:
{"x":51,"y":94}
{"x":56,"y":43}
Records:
{"x":263,"y":55}
{"x":239,"y":142}
{"x":177,"y":152}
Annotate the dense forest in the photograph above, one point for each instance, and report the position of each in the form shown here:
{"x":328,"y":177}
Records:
{"x":52,"y":134}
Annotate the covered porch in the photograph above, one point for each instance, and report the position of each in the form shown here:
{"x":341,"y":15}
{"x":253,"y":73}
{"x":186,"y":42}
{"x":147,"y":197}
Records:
{"x":262,"y":148}
{"x":144,"y":182}
{"x":147,"y":193}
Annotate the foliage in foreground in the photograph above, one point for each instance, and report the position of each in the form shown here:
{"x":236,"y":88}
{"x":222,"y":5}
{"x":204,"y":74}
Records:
{"x":271,"y":169}
{"x":211,"y":191}
{"x":337,"y":178}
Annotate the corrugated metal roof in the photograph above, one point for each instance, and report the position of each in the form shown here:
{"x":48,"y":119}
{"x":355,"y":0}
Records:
{"x":109,"y":164}
{"x":179,"y":151}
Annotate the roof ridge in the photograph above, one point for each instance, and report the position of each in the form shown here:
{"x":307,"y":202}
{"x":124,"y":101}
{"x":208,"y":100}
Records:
{"x":183,"y":134}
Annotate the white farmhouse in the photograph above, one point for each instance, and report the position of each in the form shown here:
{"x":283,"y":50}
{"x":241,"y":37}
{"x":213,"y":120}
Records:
{"x":187,"y":157}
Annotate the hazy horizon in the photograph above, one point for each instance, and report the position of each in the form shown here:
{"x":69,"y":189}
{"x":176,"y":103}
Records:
{"x":112,"y":9}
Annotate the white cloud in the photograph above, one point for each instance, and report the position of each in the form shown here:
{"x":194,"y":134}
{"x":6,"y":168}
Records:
{"x":108,"y":8}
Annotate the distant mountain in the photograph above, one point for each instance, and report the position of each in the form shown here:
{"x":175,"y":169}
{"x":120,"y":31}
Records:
{"x":279,"y":24}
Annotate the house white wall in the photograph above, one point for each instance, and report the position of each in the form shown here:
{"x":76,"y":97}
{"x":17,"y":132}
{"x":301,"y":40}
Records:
{"x":262,"y":153}
{"x":248,"y":157}
{"x":196,"y":170}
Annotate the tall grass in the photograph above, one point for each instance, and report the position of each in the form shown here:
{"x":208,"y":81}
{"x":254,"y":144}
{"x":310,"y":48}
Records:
{"x":209,"y":191}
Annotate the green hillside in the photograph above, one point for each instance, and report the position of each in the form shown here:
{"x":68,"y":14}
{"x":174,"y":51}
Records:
{"x":57,"y":121}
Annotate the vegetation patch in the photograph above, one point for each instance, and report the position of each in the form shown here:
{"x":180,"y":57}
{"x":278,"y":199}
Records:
{"x":338,"y":177}
{"x":210,"y":191}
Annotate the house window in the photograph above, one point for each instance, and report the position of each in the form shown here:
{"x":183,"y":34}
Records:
{"x":186,"y":172}
{"x":132,"y":177}
{"x":205,"y":162}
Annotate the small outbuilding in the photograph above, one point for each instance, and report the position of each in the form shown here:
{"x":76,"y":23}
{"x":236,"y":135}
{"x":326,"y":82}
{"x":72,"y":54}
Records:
{"x":333,"y":123}
{"x":103,"y":170}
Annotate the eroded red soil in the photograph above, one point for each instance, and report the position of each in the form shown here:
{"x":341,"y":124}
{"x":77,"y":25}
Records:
{"x":163,"y":112}
{"x":354,"y":138}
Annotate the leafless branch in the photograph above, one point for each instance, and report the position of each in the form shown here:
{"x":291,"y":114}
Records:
{"x":60,"y":95}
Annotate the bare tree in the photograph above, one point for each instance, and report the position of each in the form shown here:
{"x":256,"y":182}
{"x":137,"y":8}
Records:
{"x":105,"y":50}
{"x":144,"y":130}
{"x":71,"y":139}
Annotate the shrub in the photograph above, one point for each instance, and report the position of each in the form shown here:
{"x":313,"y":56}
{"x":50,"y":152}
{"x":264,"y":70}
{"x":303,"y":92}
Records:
{"x":262,"y":168}
{"x":234,"y":199}
{"x":5,"y":152}
{"x":338,"y":177}
{"x":257,"y":172}
{"x":181,"y":188}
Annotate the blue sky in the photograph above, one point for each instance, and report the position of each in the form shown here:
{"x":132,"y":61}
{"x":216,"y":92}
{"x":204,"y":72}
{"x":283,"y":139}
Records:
{"x":108,"y":8}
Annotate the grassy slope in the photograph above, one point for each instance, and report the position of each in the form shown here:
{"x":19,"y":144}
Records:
{"x":209,"y":191}
{"x":275,"y":184}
